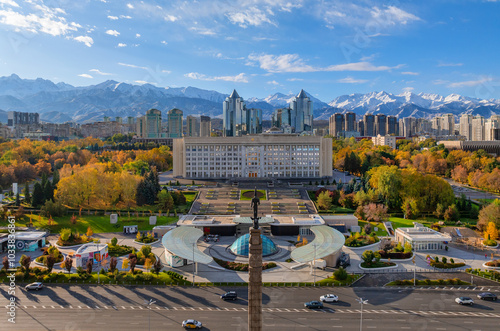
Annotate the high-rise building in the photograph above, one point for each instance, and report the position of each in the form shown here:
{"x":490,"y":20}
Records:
{"x":478,"y":128}
{"x":448,"y":124}
{"x":350,"y":122}
{"x":466,"y":126}
{"x":281,"y":118}
{"x":489,"y":128}
{"x":149,"y":125}
{"x":361,"y":128}
{"x":205,"y":126}
{"x":380,"y":125}
{"x":392,"y":125}
{"x":234,"y":115}
{"x":174,"y":117}
{"x":118,"y":119}
{"x":301,"y":113}
{"x":336,"y":124}
{"x":369,"y":125}
{"x":191,"y":126}
{"x":16,"y":118}
{"x":436,"y":125}
{"x":407,"y":126}
{"x":253,"y":123}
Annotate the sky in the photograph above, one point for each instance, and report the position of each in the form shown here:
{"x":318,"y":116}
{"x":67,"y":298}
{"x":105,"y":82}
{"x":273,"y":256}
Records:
{"x":259,"y":47}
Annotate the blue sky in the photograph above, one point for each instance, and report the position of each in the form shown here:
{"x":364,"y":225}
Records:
{"x":259,"y":47}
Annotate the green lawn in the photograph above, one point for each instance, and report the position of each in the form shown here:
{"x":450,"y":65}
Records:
{"x":242,"y":197}
{"x":381,"y":229}
{"x":99,"y":224}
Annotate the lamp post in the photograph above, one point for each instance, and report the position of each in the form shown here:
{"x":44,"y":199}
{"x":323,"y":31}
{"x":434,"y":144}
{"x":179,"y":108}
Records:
{"x":193,"y":262}
{"x":148,"y":304}
{"x":414,"y":271}
{"x":362,"y":302}
{"x":313,"y":267}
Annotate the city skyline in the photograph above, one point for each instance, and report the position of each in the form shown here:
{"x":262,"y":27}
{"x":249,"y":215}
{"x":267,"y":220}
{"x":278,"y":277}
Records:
{"x":259,"y":48}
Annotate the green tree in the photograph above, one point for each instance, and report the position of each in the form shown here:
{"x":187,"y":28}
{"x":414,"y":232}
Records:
{"x":38,"y":197}
{"x":368,"y":257}
{"x":324,"y":200}
{"x":27,"y":196}
{"x":165,"y":200}
{"x":65,"y":234}
{"x":25,"y":261}
{"x":340,"y":274}
{"x":114,"y":241}
{"x":48,"y":191}
{"x":410,"y":208}
{"x":451,"y":214}
{"x":49,"y":262}
{"x":490,"y":213}
{"x":55,"y":178}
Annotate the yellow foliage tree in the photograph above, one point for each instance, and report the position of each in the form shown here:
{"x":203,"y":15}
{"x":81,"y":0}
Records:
{"x":492,"y":231}
{"x":125,"y":264}
{"x":148,"y":264}
{"x":304,"y":241}
{"x":89,"y":232}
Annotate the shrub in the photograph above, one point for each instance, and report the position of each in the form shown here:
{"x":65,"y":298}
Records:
{"x":65,"y":234}
{"x":114,"y":241}
{"x":54,"y":209}
{"x":340,"y":274}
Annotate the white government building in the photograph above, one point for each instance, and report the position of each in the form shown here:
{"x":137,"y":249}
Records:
{"x":253,"y":156}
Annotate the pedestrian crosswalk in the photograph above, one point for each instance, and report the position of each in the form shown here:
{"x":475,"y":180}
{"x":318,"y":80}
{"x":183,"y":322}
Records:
{"x":276,"y":310}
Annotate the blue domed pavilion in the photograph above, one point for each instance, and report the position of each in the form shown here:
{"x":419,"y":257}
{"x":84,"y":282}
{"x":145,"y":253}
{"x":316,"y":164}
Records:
{"x":240,"y":246}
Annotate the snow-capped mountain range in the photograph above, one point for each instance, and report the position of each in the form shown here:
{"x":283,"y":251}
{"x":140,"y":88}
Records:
{"x":62,"y":102}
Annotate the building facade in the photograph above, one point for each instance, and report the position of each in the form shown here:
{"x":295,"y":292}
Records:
{"x":234,"y":115}
{"x":174,"y":117}
{"x":205,"y":126}
{"x":384,"y":141}
{"x":350,"y":122}
{"x":15,"y":118}
{"x":392,"y":125}
{"x":191,"y":126}
{"x":336,"y":124}
{"x":380,"y":124}
{"x":369,"y":125}
{"x":466,"y":126}
{"x":256,"y":156}
{"x":149,"y":125}
{"x":301,"y":113}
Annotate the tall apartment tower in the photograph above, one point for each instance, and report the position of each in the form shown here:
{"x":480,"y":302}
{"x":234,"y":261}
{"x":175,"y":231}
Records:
{"x":448,"y":124}
{"x":282,"y":117}
{"x":380,"y":125}
{"x":350,"y":122}
{"x":205,"y":126}
{"x":361,"y":128}
{"x":174,"y":117}
{"x":466,"y":126}
{"x":191,"y":126}
{"x":407,"y":126}
{"x":16,"y":118}
{"x":149,"y":125}
{"x":436,"y":125}
{"x":234,"y":115}
{"x":336,"y":124}
{"x":489,"y":128}
{"x":478,"y":128}
{"x":392,"y":125}
{"x":301,"y":112}
{"x":369,"y":125}
{"x":253,"y":122}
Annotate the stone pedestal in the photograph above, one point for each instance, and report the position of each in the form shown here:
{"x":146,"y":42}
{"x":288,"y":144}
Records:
{"x":255,"y":281}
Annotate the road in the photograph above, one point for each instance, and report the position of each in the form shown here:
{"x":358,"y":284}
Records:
{"x":122,"y":308}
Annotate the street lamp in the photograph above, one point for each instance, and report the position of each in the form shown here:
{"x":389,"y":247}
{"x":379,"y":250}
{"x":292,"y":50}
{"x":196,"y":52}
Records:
{"x":148,"y":304}
{"x":313,"y":267}
{"x":193,"y":262}
{"x":362,"y":302}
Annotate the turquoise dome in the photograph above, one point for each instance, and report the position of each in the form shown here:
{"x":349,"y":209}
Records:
{"x":240,"y":246}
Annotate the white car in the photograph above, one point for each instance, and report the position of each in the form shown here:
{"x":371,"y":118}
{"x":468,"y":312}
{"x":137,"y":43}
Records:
{"x":329,"y":298}
{"x":464,"y":301}
{"x":34,"y":286}
{"x":191,"y":324}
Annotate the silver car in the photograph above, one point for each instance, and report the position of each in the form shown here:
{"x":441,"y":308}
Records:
{"x":464,"y":301}
{"x":34,"y":286}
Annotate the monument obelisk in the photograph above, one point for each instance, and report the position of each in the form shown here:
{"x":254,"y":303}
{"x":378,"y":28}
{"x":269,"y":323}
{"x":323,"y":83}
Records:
{"x":255,"y":271}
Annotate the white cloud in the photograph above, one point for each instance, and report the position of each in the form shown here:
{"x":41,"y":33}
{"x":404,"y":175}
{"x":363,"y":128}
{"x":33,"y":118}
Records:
{"x":171,"y":18}
{"x":252,"y":16}
{"x":164,"y":42}
{"x":410,"y":73}
{"x":121,"y":45}
{"x":470,"y":83}
{"x":392,"y":15}
{"x":273,"y":82}
{"x":293,"y":63}
{"x":126,"y":17}
{"x":9,"y":3}
{"x":113,"y":33}
{"x":40,"y":19}
{"x":113,"y":18}
{"x":289,"y":6}
{"x":85,"y":76}
{"x":294,"y":79}
{"x":240,"y":78}
{"x":202,"y":31}
{"x":137,"y":35}
{"x":350,"y":80}
{"x":444,"y":64}
{"x":142,"y":82}
{"x":131,"y":66}
{"x":99,"y":72}
{"x":130,"y":6}
{"x":88,"y":41}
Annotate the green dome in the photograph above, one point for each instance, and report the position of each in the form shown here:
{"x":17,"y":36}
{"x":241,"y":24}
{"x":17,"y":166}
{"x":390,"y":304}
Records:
{"x":240,"y":246}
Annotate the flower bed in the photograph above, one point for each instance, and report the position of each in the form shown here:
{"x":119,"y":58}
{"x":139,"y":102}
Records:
{"x":236,"y":266}
{"x":357,"y":240}
{"x":490,"y":274}
{"x":494,"y":264}
{"x":395,"y":255}
{"x":428,"y":282}
{"x":119,"y":250}
{"x":50,"y":251}
{"x":448,"y":265}
{"x":378,"y":264}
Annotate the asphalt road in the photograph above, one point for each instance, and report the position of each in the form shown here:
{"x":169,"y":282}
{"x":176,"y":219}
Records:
{"x":122,"y":308}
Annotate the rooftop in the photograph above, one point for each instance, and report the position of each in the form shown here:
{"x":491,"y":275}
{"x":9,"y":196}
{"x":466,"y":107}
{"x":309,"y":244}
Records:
{"x":88,"y":248}
{"x":232,"y":220}
{"x":422,"y":233}
{"x":326,"y":241}
{"x":182,"y":241}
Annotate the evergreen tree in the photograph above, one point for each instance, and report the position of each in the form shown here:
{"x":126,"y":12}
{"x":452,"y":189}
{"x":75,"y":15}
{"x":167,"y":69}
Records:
{"x":48,"y":191}
{"x":27,"y":196}
{"x":140,"y":195}
{"x":18,"y":201}
{"x":154,"y":179}
{"x":44,"y":180}
{"x":38,"y":197}
{"x":55,"y":178}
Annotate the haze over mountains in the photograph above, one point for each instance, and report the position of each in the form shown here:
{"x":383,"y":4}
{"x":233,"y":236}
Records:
{"x":62,"y":102}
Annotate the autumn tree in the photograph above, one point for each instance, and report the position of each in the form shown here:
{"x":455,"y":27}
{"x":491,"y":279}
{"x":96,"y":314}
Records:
{"x":68,"y":264}
{"x":25,"y":261}
{"x":410,"y":208}
{"x":89,"y":232}
{"x":375,"y":212}
{"x":491,"y":231}
{"x":157,"y":266}
{"x":49,"y":262}
{"x":324,"y":200}
{"x":112,"y":264}
{"x":490,"y":213}
{"x":89,"y":266}
{"x":451,"y":214}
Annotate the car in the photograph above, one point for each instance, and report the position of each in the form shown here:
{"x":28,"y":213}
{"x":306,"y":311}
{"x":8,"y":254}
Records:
{"x":329,"y":298}
{"x":191,"y":324}
{"x":34,"y":286}
{"x":487,"y":296}
{"x":313,"y":305}
{"x":231,"y":295}
{"x":464,"y":301}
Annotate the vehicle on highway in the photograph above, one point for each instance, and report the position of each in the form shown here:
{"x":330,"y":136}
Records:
{"x":191,"y":324}
{"x":487,"y":296}
{"x":34,"y":286}
{"x":231,"y":295}
{"x":329,"y":298}
{"x":313,"y":305}
{"x":464,"y":301}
